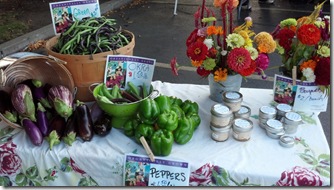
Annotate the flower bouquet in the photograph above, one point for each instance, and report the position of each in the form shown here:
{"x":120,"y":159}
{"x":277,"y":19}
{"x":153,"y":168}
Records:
{"x":304,"y":43}
{"x":224,"y":50}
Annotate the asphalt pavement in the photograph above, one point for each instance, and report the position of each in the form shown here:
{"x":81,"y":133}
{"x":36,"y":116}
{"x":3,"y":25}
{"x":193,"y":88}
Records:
{"x":161,"y":35}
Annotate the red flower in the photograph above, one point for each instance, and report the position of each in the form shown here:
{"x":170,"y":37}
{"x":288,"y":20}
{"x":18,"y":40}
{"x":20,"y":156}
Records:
{"x":239,"y":59}
{"x":250,"y":70}
{"x":10,"y":161}
{"x":202,"y":72}
{"x":299,"y":176}
{"x":285,"y":37}
{"x":322,"y":72}
{"x":192,"y":37}
{"x":174,"y":66}
{"x":197,"y":51}
{"x":75,"y":167}
{"x":309,"y":34}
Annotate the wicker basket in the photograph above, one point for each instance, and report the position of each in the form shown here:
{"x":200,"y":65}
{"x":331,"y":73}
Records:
{"x":87,"y":69}
{"x":34,"y":66}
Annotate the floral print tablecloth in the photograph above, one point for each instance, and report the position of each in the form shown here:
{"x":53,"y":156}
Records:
{"x":261,"y":161}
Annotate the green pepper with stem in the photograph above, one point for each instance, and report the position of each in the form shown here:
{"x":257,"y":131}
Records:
{"x":184,"y":132}
{"x":189,"y":107}
{"x":168,"y":120}
{"x":130,"y":127}
{"x":148,"y":111}
{"x":163,"y":103}
{"x":195,"y":119}
{"x":162,"y":142}
{"x":145,"y":130}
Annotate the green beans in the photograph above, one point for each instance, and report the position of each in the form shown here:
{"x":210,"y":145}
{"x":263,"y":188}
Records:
{"x":91,"y":35}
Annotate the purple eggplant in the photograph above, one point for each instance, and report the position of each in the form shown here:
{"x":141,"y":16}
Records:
{"x":70,"y":133}
{"x":22,"y":101}
{"x":57,"y":127}
{"x":32,"y":131}
{"x":102,"y":126}
{"x":96,"y":112}
{"x":42,"y":120}
{"x":84,"y":125}
{"x":39,"y":94}
{"x":61,"y":99}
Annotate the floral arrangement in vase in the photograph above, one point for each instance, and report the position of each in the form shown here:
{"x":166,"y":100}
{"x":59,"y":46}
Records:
{"x":224,"y":50}
{"x":304,"y":43}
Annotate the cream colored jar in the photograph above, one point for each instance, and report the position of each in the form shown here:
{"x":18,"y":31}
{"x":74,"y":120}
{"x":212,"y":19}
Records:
{"x":290,"y":121}
{"x":220,"y":134}
{"x":242,"y":129}
{"x":265,"y":113}
{"x":233,"y":100}
{"x":221,"y":115}
{"x":244,"y":112}
{"x":282,"y":109}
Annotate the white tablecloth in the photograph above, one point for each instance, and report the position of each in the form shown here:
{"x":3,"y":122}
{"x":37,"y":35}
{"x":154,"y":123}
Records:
{"x":261,"y":160}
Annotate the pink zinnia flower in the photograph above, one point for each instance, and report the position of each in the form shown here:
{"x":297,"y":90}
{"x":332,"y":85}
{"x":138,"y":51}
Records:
{"x":262,"y":62}
{"x":239,"y":59}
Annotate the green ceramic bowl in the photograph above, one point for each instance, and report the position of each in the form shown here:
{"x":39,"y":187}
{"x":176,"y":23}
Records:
{"x":120,"y":113}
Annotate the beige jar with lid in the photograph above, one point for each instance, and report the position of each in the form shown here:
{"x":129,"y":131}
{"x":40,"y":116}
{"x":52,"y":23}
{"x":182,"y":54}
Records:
{"x":220,"y":134}
{"x":242,"y":129}
{"x":233,"y":100}
{"x":221,"y":115}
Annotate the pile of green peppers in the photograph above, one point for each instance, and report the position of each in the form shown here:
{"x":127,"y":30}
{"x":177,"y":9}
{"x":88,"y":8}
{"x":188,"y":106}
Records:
{"x":163,"y":121}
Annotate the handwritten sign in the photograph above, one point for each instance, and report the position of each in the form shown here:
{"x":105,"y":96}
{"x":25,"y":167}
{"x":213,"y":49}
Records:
{"x":64,"y":13}
{"x":141,"y":171}
{"x":304,"y":96}
{"x":121,"y":68}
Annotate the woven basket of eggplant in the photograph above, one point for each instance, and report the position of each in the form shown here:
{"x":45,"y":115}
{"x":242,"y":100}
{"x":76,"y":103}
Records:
{"x":36,"y":95}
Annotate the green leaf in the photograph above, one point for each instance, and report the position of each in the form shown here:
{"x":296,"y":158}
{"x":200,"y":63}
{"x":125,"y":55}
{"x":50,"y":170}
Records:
{"x":255,"y":116}
{"x":308,"y":159}
{"x":87,"y":182}
{"x":323,"y":171}
{"x":32,"y":172}
{"x":306,"y":118}
{"x":5,"y":181}
{"x":220,"y":180}
{"x":324,"y":157}
{"x":21,"y":180}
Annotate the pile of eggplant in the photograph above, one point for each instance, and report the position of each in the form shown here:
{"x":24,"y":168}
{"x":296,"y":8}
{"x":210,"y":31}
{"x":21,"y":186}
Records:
{"x":49,"y":112}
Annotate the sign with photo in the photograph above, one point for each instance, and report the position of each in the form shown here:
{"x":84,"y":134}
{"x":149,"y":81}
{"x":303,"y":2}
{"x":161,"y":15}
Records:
{"x":121,"y":69}
{"x":64,"y":13}
{"x":141,"y":171}
{"x":304,"y":96}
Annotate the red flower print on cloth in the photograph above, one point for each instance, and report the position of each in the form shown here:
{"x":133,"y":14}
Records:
{"x":75,"y":167}
{"x":9,"y":160}
{"x":202,"y":176}
{"x":299,"y":176}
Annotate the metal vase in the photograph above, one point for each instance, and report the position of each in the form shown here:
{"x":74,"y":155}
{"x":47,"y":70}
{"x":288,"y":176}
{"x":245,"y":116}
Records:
{"x":232,"y":83}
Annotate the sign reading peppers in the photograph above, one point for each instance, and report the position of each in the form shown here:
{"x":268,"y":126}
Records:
{"x":163,"y":121}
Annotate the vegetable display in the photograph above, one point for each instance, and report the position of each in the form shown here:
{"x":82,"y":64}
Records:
{"x":47,"y":112}
{"x":163,"y":121}
{"x":92,"y":35}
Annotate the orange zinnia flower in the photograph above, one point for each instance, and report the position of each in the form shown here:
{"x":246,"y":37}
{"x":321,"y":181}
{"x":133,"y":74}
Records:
{"x":308,"y":64}
{"x":211,"y":30}
{"x":220,"y":75}
{"x":196,"y":63}
{"x":309,"y":34}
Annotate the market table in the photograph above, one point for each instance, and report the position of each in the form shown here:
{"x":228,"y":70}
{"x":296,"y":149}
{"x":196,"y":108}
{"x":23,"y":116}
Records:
{"x":261,"y":161}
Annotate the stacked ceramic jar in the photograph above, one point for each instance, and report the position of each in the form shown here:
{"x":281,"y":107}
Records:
{"x":238,"y":118}
{"x":278,"y":121}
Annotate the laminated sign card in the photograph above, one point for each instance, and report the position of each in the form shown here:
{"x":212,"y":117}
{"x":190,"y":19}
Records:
{"x":64,"y":13}
{"x":304,"y":96}
{"x":120,"y":69}
{"x":141,"y":171}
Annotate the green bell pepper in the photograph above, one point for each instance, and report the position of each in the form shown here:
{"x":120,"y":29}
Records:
{"x":175,"y":100}
{"x":130,"y":127}
{"x":162,"y":142}
{"x":177,"y":110}
{"x":148,"y":111}
{"x":189,"y":107}
{"x":168,"y":120}
{"x":145,"y":130}
{"x":163,"y":103}
{"x":184,"y":132}
{"x":195,"y":119}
